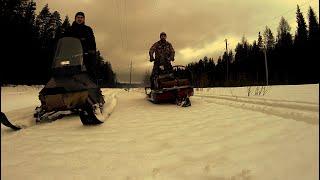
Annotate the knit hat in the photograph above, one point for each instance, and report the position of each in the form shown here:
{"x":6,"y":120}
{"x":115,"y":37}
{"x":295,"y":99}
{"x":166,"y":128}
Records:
{"x":79,"y":14}
{"x":163,"y":33}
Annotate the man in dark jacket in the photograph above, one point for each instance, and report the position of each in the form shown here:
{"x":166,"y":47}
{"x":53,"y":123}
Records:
{"x":85,"y":34}
{"x":164,"y":54}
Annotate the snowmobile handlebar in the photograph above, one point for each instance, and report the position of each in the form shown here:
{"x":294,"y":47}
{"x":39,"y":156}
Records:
{"x":73,"y":56}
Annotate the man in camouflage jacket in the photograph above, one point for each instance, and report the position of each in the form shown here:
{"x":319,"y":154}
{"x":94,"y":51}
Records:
{"x":164,"y":54}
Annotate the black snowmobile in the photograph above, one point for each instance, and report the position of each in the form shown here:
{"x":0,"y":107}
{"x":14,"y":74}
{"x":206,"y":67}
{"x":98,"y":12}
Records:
{"x":171,"y":85}
{"x":70,"y":90}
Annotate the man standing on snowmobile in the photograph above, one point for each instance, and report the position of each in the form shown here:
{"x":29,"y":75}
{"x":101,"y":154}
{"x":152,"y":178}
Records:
{"x":85,"y":34}
{"x":164,"y":54}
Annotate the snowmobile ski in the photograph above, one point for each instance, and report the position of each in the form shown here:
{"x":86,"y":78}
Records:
{"x":92,"y":115}
{"x":184,"y":102}
{"x":6,"y":122}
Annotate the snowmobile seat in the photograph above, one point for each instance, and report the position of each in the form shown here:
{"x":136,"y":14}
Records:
{"x":173,"y":83}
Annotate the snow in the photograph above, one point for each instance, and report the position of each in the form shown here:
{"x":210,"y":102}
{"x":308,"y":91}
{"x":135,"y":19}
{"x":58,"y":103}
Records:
{"x":18,"y":97}
{"x":224,"y":135}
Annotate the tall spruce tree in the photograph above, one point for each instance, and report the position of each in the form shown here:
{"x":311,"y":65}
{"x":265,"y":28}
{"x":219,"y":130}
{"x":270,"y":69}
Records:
{"x":302,"y":33}
{"x":313,"y":25}
{"x":55,"y":23}
{"x":284,"y":37}
{"x":313,"y":44}
{"x":66,"y":24}
{"x":63,"y":28}
{"x":282,"y":61}
{"x":300,"y":66}
{"x":43,"y":25}
{"x":260,"y":41}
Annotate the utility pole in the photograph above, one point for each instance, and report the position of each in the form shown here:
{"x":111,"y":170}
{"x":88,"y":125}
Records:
{"x":266,"y":64}
{"x":130,"y":73}
{"x":227,"y":59}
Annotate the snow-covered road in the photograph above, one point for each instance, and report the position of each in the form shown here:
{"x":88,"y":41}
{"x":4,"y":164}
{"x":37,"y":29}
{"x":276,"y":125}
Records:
{"x":220,"y":137}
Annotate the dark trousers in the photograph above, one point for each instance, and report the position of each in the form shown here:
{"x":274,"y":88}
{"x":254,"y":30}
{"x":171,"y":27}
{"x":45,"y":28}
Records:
{"x":90,"y":62}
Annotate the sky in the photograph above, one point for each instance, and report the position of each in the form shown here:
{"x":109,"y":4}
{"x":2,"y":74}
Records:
{"x":126,"y":29}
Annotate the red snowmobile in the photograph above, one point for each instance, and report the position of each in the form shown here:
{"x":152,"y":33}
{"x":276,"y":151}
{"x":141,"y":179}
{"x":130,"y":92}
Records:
{"x":171,"y":86}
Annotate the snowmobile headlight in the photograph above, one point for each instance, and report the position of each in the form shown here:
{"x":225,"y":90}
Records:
{"x":63,"y":63}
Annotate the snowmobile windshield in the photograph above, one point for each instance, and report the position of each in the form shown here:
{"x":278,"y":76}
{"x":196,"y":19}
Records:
{"x":68,"y":53}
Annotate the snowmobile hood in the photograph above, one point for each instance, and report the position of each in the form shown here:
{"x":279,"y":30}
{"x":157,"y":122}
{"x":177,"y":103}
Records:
{"x":80,"y":82}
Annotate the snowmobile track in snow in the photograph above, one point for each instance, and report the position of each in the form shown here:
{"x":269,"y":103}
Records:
{"x":268,"y":102}
{"x":300,"y":111}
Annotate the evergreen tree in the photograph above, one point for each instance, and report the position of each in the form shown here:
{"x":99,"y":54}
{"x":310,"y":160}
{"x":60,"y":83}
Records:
{"x":284,"y":38}
{"x":105,"y":74}
{"x":302,"y":33}
{"x":220,"y":76}
{"x":268,"y":39}
{"x":29,"y":12}
{"x":283,"y":59}
{"x":211,"y":70}
{"x":260,"y":41}
{"x":43,"y":25}
{"x":66,"y":24}
{"x":21,"y":41}
{"x":313,"y":45}
{"x":54,"y":24}
{"x":300,"y":49}
{"x":63,"y":28}
{"x":313,"y":25}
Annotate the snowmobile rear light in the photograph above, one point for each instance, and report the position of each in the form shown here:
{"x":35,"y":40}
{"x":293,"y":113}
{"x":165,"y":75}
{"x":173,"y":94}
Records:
{"x":63,"y":63}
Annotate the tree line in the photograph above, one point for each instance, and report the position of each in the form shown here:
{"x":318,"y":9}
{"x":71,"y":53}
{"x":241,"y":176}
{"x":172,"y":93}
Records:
{"x":291,"y":59}
{"x":29,"y":41}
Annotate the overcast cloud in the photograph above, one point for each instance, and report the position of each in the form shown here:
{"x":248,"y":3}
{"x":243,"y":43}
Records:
{"x":125,"y":29}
